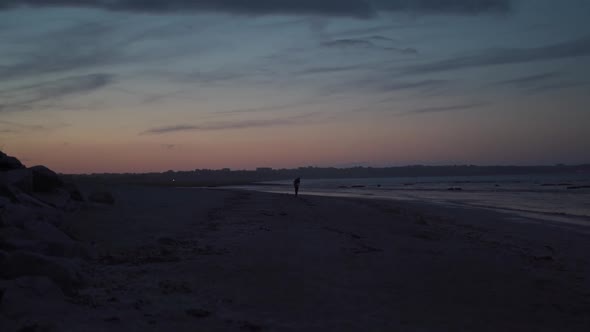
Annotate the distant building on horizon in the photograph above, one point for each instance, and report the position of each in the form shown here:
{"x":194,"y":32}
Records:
{"x":263,"y":169}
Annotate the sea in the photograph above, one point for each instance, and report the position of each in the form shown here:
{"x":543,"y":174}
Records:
{"x":555,"y":197}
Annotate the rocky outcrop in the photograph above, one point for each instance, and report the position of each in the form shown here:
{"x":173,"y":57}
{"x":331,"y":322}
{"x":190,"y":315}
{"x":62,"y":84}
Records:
{"x":39,"y":262}
{"x":8,"y":163}
{"x":21,"y":179}
{"x":37,"y":185}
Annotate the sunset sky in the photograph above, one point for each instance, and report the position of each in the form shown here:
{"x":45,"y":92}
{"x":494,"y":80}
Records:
{"x":138,"y":85}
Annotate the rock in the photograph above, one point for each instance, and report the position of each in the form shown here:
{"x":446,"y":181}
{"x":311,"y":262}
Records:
{"x":54,"y":242}
{"x":13,"y":238}
{"x":4,"y":201}
{"x":102,"y":197}
{"x":18,"y":178}
{"x":63,"y":272}
{"x":7,"y":193}
{"x":30,"y":201}
{"x":42,"y":238}
{"x":58,"y":198}
{"x":75,"y":193}
{"x":16,"y":214}
{"x":3,"y":256}
{"x":30,"y":295}
{"x":45,"y":180}
{"x":8,"y":163}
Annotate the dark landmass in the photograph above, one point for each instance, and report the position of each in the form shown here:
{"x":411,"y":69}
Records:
{"x":209,"y":177}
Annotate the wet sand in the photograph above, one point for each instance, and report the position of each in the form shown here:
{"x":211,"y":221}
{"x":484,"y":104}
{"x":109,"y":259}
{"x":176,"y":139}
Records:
{"x":226,"y":260}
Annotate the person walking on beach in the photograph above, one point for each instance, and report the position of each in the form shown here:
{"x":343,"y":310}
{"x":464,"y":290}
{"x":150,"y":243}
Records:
{"x":296,"y":185}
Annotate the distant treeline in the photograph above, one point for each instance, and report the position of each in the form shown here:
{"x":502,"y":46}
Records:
{"x":208,"y":177}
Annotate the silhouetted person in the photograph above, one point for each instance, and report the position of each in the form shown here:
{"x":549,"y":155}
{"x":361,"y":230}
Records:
{"x":296,"y":185}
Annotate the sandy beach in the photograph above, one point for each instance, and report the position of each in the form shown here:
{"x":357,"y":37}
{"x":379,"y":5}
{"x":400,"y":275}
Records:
{"x":227,"y":260}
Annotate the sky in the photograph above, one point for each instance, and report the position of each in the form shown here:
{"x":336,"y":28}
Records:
{"x":146,"y":85}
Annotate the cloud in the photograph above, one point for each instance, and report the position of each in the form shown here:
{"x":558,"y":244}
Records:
{"x":557,"y":86}
{"x":76,"y":47}
{"x":29,"y":96}
{"x":350,"y":8}
{"x":343,"y":43}
{"x":575,"y":48}
{"x":329,"y":70}
{"x":425,"y":84}
{"x":528,"y":80}
{"x":225,"y":125}
{"x":91,"y":46}
{"x":168,"y":146}
{"x":439,"y":109}
{"x":213,"y":77}
{"x":269,"y":108}
{"x":541,"y":83}
{"x":383,"y":84}
{"x":16,"y":127}
{"x":445,"y":6}
{"x":369,"y":30}
{"x":375,"y":42}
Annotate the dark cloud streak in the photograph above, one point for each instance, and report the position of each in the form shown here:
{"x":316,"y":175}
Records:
{"x":27,"y":97}
{"x":570,"y":49}
{"x":350,"y":8}
{"x":11,"y":127}
{"x":369,"y":43}
{"x":439,"y":109}
{"x":241,"y":124}
{"x":528,"y":80}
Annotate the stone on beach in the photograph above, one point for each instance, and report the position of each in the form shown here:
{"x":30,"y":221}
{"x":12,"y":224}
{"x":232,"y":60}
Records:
{"x":45,"y":180}
{"x":103,"y":197}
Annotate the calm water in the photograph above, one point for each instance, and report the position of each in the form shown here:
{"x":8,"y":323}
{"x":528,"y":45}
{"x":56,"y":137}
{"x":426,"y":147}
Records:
{"x":542,"y":196}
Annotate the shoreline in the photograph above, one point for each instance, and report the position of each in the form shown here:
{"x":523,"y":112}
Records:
{"x":540,"y":216}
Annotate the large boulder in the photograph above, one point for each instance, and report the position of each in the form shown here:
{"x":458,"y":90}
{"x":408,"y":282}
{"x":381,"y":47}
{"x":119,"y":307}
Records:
{"x":16,"y":214}
{"x":64,"y":272}
{"x":58,"y":198}
{"x":4,"y":201}
{"x":42,"y":238}
{"x":8,"y":163}
{"x":75,"y":193}
{"x":7,"y":193}
{"x":45,"y":180}
{"x":17,"y":178}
